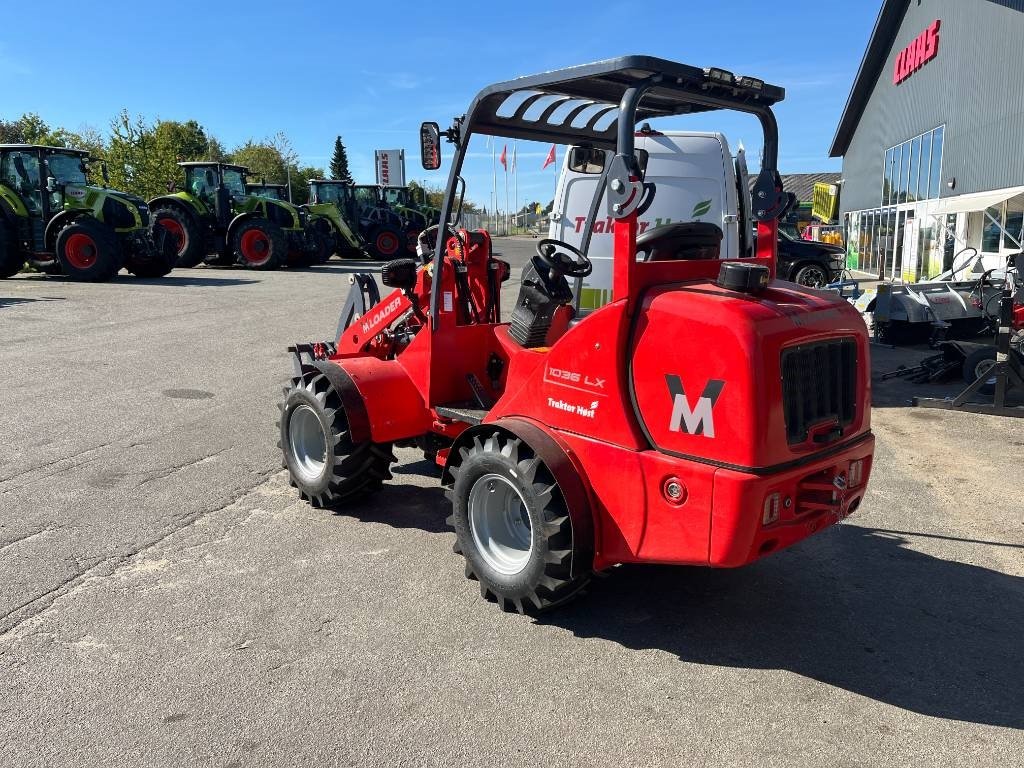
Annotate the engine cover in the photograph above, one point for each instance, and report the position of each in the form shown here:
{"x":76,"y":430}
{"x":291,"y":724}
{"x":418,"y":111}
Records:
{"x":749,"y":382}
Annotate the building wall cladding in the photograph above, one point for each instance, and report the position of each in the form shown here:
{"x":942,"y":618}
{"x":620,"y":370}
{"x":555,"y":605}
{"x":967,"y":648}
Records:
{"x":972,"y":87}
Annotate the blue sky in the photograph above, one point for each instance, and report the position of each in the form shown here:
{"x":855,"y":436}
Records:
{"x":372,"y":71}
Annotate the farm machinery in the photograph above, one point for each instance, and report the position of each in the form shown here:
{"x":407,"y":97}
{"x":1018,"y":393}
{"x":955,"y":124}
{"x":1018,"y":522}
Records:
{"x":709,"y":414}
{"x":215,"y":218}
{"x":364,"y":223}
{"x":415,"y":215}
{"x":52,"y":218}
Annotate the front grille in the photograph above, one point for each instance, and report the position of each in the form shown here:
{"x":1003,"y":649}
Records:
{"x":117,"y":214}
{"x":819,"y":388}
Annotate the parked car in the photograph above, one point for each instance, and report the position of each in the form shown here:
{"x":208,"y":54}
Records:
{"x":808,"y":262}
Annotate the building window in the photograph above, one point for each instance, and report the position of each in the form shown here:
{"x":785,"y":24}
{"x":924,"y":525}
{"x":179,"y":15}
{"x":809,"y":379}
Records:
{"x":991,"y":232}
{"x":1012,"y":239}
{"x":912,"y":170}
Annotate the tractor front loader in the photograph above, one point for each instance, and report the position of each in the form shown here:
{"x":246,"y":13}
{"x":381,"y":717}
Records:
{"x":52,"y":218}
{"x":215,"y":219}
{"x":709,"y":414}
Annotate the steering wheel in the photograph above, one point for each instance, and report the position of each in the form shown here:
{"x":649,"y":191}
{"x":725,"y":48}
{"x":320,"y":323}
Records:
{"x":549,"y":255}
{"x":423,"y":247}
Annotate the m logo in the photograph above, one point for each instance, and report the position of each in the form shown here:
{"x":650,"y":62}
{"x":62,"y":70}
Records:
{"x":700,"y":419}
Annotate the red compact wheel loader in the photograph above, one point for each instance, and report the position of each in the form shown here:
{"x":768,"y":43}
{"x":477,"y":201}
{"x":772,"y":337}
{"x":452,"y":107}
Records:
{"x":708,"y":415}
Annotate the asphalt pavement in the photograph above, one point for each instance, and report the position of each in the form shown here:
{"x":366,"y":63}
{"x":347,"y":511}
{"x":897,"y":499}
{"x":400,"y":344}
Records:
{"x":166,"y":599}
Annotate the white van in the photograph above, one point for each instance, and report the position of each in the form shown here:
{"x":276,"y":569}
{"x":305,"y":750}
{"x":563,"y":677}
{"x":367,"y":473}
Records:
{"x":696,"y":178}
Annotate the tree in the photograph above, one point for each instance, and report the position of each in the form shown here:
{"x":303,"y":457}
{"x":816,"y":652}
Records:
{"x":300,"y":182}
{"x":339,"y":163}
{"x":263,"y":160}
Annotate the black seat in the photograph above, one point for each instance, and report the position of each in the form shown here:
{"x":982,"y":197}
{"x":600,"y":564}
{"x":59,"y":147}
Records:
{"x":691,"y":240}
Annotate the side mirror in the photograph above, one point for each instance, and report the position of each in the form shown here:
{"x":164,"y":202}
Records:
{"x":586,"y":160}
{"x":51,"y":184}
{"x":106,"y":174}
{"x":430,"y":146}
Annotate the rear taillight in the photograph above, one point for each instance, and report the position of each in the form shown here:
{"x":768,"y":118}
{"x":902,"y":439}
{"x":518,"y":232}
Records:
{"x":771,"y":509}
{"x":856,"y":475}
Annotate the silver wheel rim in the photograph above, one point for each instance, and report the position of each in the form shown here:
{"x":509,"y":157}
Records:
{"x":500,"y":524}
{"x":307,"y":442}
{"x":813,"y":277}
{"x":982,"y":369}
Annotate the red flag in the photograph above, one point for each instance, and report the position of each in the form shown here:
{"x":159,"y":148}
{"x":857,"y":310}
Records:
{"x":503,"y":163}
{"x":549,"y":159}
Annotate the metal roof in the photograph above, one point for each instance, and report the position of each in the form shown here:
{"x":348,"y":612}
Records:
{"x":581,"y":103}
{"x":802,"y":184}
{"x":194,"y":163}
{"x":67,"y":150}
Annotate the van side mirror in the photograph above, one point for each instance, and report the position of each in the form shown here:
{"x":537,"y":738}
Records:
{"x":430,"y":146}
{"x":586,"y":160}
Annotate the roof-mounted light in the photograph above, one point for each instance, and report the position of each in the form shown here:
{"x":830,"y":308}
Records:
{"x":721,"y":76}
{"x":750,"y":83}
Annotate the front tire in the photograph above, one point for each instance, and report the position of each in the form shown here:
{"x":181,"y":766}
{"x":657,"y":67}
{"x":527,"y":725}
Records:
{"x":185,"y":235}
{"x":322,"y":460}
{"x":512,"y":526}
{"x":811,"y":276}
{"x":259,"y":244}
{"x":977,"y":365}
{"x":160,"y":259}
{"x":88,"y":251}
{"x":11,"y":259}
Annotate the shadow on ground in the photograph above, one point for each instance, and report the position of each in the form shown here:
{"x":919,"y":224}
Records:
{"x":13,"y":302}
{"x":899,"y":392}
{"x":855,"y":609}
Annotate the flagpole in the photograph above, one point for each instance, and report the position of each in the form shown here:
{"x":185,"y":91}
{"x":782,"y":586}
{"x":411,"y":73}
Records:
{"x":506,"y":196}
{"x":494,"y":185}
{"x":515,"y":176}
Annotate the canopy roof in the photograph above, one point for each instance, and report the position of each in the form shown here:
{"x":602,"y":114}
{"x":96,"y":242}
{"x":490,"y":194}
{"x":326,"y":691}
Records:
{"x":581,"y":104}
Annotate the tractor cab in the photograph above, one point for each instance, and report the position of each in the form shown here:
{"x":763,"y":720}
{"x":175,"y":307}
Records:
{"x":43,"y":178}
{"x":219,"y":186}
{"x":708,"y":414}
{"x":269,"y":191}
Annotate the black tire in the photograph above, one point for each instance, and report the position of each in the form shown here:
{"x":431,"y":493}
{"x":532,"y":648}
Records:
{"x":541,"y":578}
{"x":812,"y":275}
{"x":160,"y":259}
{"x":312,"y":407}
{"x":187,"y":237}
{"x":259,"y":244}
{"x":325,"y":239}
{"x":88,"y":251}
{"x":976,"y":365}
{"x":11,"y":259}
{"x":385,"y":243}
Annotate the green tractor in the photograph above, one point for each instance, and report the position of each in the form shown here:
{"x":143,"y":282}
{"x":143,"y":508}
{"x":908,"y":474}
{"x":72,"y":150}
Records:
{"x":214,"y":218}
{"x":416,"y":215}
{"x":329,"y":210}
{"x":373,"y":229}
{"x":376,"y":227}
{"x":53,"y":219}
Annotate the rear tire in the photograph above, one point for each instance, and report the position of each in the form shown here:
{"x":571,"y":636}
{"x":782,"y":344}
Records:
{"x":185,"y":234}
{"x":259,"y":244}
{"x":11,"y":260}
{"x":384,"y":242}
{"x":322,"y":460}
{"x":88,"y":251}
{"x":512,"y":526}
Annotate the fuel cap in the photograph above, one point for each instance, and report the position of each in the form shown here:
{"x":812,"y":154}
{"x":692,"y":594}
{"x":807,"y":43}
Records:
{"x":745,"y":278}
